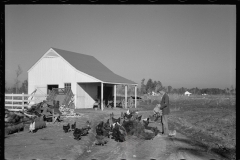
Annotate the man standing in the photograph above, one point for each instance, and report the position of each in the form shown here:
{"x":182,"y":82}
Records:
{"x":165,"y":112}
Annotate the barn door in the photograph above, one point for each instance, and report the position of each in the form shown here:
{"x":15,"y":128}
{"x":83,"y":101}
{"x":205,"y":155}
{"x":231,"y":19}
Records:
{"x":81,"y":96}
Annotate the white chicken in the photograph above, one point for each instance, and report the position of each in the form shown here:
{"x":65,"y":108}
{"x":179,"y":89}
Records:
{"x":128,"y":112}
{"x":32,"y":127}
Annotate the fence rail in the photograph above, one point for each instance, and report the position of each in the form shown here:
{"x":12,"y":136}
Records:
{"x":16,"y":102}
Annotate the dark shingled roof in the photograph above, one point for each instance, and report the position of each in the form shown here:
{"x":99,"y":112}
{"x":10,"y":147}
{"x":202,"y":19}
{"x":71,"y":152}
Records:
{"x":91,"y":66}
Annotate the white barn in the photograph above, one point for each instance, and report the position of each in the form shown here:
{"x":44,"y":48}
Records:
{"x":88,"y":78}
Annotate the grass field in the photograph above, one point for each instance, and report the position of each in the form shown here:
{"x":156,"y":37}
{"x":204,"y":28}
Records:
{"x":208,"y":120}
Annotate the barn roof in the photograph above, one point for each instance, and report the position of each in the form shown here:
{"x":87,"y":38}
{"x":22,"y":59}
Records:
{"x":91,"y":66}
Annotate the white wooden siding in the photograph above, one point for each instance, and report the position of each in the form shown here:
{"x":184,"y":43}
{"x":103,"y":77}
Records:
{"x":51,"y":71}
{"x":55,"y":70}
{"x":86,"y":94}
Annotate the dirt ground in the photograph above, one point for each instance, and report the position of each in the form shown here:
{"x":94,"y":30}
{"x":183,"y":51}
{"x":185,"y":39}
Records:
{"x":51,"y":143}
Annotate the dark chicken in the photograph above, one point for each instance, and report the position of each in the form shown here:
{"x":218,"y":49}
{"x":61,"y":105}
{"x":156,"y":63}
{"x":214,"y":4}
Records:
{"x":77,"y":134}
{"x":84,"y":131}
{"x":118,"y":133}
{"x":66,"y":128}
{"x":145,"y":123}
{"x":100,"y":140}
{"x":73,"y":126}
{"x":99,"y":128}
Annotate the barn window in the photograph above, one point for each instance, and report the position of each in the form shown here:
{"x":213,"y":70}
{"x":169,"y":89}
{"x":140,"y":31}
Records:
{"x":67,"y":85}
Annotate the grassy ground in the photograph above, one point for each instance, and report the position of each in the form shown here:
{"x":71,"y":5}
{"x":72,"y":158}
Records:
{"x":209,"y":120}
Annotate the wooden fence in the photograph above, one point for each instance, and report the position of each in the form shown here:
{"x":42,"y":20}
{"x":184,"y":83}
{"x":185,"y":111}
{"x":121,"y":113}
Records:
{"x":16,"y":102}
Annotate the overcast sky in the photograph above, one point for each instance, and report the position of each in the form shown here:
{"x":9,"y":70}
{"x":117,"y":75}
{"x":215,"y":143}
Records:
{"x":179,"y":45}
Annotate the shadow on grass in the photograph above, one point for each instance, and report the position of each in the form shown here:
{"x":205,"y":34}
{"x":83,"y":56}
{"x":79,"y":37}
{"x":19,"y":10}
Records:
{"x":226,"y":153}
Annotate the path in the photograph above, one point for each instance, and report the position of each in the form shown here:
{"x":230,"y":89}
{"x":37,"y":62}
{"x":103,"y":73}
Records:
{"x":51,"y":143}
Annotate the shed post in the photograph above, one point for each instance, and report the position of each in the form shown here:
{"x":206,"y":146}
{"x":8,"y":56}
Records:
{"x":125,"y":96}
{"x":115,"y":95}
{"x":135,"y":96}
{"x":101,"y":96}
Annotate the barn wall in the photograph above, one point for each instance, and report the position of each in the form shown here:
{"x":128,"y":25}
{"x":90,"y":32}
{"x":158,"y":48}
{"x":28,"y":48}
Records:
{"x":55,"y":70}
{"x":86,"y":94}
{"x":51,"y":71}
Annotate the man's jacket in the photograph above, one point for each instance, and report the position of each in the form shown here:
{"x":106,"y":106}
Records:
{"x":165,"y":104}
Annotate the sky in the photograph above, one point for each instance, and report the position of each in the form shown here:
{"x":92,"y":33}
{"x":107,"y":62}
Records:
{"x":178,"y":45}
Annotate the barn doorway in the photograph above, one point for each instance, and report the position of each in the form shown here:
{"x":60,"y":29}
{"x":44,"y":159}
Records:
{"x":50,"y":87}
{"x":107,"y":94}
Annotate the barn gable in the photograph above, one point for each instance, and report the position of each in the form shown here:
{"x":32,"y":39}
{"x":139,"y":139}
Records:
{"x":51,"y":55}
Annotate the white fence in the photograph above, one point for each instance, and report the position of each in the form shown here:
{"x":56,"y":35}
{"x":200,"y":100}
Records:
{"x":16,"y":102}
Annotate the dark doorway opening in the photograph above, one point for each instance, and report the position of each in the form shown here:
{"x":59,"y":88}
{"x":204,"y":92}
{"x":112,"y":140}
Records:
{"x":50,"y":87}
{"x":107,"y":94}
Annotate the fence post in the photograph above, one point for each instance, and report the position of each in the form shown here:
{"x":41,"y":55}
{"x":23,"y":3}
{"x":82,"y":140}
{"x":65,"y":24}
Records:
{"x":22,"y":101}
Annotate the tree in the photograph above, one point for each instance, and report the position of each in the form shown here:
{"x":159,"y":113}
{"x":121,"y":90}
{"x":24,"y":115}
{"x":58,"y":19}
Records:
{"x":227,"y":90}
{"x":18,"y":73}
{"x":169,"y":89}
{"x":232,"y":90}
{"x":154,"y":84}
{"x":149,"y":85}
{"x":158,"y":86}
{"x":24,"y":88}
{"x":143,"y":86}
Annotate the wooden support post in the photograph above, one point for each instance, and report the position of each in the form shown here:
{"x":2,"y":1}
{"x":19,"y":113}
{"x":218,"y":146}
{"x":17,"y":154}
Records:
{"x":115,"y":95}
{"x":125,"y":96}
{"x":101,"y":96}
{"x":135,"y":96}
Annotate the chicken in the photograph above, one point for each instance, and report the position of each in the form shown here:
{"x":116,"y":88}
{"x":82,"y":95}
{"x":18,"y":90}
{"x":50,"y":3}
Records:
{"x":118,"y":134}
{"x":32,"y":126}
{"x":73,"y":126}
{"x":99,"y":128}
{"x":145,"y":122}
{"x":106,"y":129}
{"x":128,"y":116}
{"x":100,"y":140}
{"x":139,"y":118}
{"x":77,"y":133}
{"x":84,"y":131}
{"x":66,"y":128}
{"x":172,"y":133}
{"x":114,"y":120}
{"x":87,"y":125}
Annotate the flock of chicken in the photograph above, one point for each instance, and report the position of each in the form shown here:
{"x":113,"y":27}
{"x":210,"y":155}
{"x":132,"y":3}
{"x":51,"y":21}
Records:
{"x":77,"y":132}
{"x":128,"y":124}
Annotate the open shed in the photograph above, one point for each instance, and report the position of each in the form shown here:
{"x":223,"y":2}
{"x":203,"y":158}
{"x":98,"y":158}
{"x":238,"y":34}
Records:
{"x":87,"y":77}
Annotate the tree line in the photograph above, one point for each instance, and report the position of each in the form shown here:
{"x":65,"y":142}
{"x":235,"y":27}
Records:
{"x":156,"y":86}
